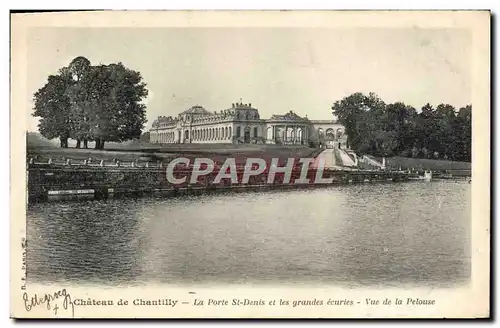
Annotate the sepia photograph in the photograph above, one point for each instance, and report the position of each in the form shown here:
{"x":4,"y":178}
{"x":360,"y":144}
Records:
{"x":250,"y":164}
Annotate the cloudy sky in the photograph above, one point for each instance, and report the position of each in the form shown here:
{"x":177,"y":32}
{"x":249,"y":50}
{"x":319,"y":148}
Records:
{"x":275,"y":69}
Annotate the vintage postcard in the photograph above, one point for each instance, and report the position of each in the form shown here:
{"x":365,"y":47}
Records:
{"x":250,"y":164}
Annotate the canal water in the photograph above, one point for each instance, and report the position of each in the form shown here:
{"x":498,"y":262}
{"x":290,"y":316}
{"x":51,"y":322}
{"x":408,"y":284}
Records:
{"x":390,"y":234}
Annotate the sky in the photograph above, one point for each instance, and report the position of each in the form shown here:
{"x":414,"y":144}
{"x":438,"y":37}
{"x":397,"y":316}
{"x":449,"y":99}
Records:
{"x":275,"y":69}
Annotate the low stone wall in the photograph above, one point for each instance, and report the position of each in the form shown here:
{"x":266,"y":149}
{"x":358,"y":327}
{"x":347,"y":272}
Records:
{"x":71,"y":179}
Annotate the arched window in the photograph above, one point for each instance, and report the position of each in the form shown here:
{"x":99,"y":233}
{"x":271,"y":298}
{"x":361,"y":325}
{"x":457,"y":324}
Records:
{"x":269,"y":134}
{"x":321,"y":135}
{"x":230,"y":134}
{"x":238,"y":132}
{"x":255,"y":132}
{"x":339,"y":133}
{"x":329,"y":135}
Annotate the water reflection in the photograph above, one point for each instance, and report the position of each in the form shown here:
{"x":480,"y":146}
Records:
{"x":94,"y":241}
{"x":413,"y":233}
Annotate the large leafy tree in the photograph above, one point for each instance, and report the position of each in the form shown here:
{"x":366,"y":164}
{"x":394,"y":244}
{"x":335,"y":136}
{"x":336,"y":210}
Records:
{"x":380,"y":129}
{"x":361,"y":116}
{"x":52,"y":104}
{"x":94,"y":103}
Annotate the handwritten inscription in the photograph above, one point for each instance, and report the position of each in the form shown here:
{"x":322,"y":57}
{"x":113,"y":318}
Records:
{"x":50,"y":301}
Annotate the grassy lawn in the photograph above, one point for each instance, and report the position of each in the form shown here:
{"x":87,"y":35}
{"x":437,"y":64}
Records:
{"x":127,"y":152}
{"x":166,"y":153}
{"x":424,"y":164}
{"x":429,"y":164}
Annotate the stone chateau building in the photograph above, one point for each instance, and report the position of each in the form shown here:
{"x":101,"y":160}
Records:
{"x":242,"y":124}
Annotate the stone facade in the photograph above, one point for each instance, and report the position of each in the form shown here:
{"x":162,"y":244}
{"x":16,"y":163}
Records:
{"x":242,"y":124}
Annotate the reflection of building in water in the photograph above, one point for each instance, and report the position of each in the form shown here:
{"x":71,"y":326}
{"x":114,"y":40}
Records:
{"x":242,"y":124}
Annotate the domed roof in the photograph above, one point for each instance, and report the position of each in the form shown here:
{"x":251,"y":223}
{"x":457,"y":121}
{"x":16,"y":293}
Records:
{"x":196,"y":110}
{"x":290,"y":116}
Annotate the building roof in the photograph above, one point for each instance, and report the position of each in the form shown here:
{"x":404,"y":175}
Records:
{"x":196,"y":110}
{"x":290,"y":116}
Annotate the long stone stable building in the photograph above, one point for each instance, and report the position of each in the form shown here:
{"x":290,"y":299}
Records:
{"x":242,"y":124}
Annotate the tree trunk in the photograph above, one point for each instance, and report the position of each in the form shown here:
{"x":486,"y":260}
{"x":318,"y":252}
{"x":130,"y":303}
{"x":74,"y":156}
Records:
{"x":85,"y":144}
{"x":101,"y":146}
{"x":64,"y":142}
{"x":97,"y":144}
{"x":78,"y":144}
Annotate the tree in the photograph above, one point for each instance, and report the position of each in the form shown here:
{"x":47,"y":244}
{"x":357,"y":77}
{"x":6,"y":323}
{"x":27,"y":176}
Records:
{"x":52,"y":104}
{"x":360,"y":114}
{"x":81,"y":107}
{"x":401,"y":122}
{"x":145,"y":137}
{"x":380,"y":129}
{"x":462,"y":134}
{"x":101,"y":103}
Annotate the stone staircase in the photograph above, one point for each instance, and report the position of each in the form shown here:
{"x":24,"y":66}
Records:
{"x":346,"y":159}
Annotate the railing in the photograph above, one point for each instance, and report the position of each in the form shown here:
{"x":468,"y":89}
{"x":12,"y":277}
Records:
{"x":95,"y":163}
{"x":137,"y":164}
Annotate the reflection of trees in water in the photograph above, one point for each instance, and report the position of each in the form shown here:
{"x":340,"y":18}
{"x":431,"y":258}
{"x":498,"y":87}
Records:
{"x":83,"y":241}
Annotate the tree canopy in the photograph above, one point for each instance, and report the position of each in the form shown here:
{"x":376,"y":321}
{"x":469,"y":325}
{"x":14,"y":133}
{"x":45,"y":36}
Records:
{"x":376,"y":128}
{"x":91,"y":103}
